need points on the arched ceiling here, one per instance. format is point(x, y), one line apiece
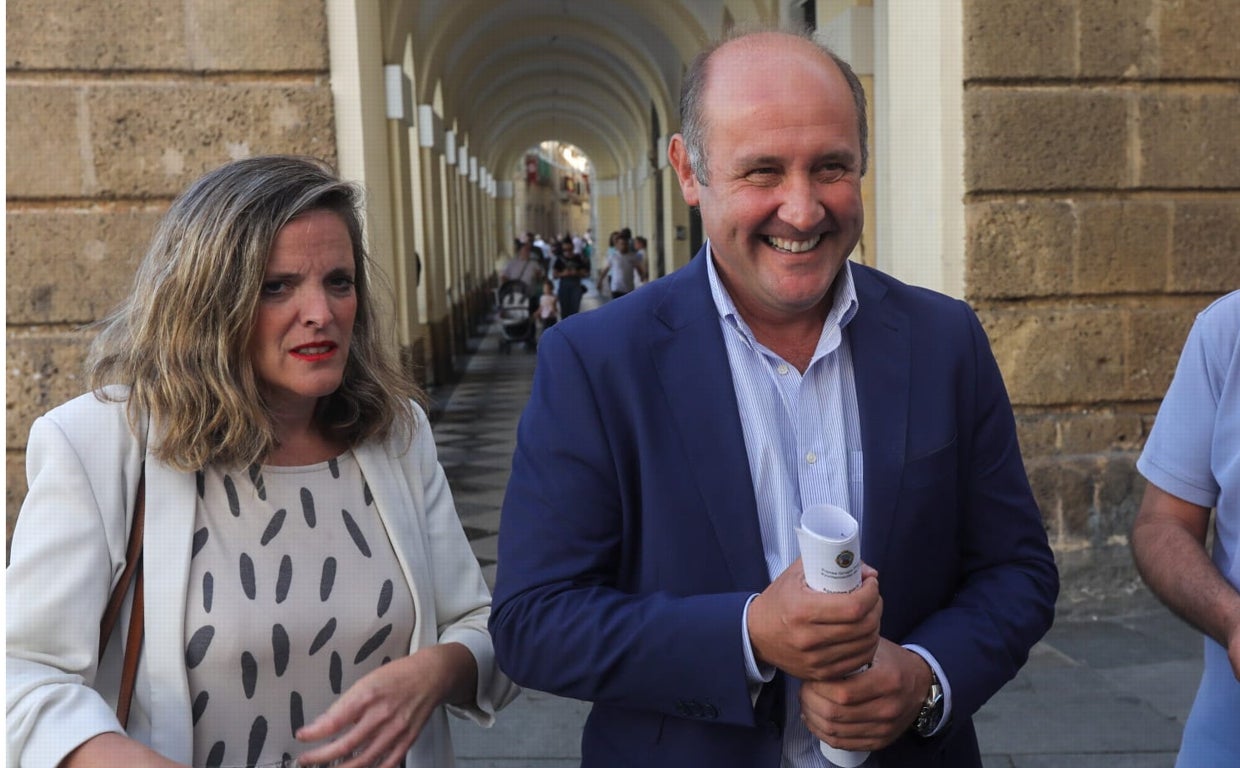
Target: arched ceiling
point(513, 73)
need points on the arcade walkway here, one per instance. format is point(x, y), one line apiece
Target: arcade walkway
point(1109, 687)
point(475, 424)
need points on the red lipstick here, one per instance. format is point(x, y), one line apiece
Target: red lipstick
point(312, 353)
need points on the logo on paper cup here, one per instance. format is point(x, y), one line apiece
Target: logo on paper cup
point(845, 559)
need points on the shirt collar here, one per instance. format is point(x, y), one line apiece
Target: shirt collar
point(843, 307)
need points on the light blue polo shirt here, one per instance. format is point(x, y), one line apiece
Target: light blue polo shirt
point(1194, 453)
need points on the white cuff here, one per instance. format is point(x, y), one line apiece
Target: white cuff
point(943, 681)
point(757, 674)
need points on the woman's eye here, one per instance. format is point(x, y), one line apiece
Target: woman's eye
point(273, 287)
point(342, 284)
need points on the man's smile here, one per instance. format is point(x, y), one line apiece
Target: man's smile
point(793, 246)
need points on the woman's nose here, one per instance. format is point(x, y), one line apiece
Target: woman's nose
point(315, 308)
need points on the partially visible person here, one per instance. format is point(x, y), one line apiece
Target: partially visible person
point(544, 250)
point(548, 307)
point(647, 556)
point(309, 591)
point(570, 269)
point(622, 263)
point(524, 266)
point(640, 246)
point(587, 248)
point(1192, 463)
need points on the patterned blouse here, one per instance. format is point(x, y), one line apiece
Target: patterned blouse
point(295, 594)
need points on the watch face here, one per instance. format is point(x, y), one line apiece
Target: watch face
point(931, 712)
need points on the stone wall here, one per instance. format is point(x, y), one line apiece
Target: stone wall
point(113, 107)
point(1102, 178)
point(1103, 211)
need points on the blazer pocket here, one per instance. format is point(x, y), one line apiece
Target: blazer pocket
point(933, 468)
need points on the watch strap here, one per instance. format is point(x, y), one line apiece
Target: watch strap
point(931, 713)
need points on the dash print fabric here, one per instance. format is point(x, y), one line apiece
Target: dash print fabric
point(295, 594)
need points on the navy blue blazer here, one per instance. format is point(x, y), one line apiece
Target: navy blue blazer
point(629, 540)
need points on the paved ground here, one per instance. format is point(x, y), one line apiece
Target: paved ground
point(1109, 687)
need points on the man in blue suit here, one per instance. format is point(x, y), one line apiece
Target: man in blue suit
point(647, 561)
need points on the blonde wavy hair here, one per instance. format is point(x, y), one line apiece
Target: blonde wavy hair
point(179, 343)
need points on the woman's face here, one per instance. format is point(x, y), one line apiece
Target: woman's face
point(306, 307)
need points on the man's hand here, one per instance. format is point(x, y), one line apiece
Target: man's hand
point(815, 635)
point(869, 710)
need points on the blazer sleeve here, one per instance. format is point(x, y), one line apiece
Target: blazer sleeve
point(68, 545)
point(1004, 581)
point(461, 598)
point(585, 603)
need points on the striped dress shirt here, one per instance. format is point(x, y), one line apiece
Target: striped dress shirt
point(803, 438)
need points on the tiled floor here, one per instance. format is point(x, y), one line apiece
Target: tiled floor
point(475, 425)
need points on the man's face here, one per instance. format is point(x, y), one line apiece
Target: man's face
point(783, 206)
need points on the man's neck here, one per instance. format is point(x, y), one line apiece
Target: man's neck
point(793, 337)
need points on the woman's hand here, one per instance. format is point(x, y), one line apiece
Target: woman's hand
point(116, 749)
point(376, 721)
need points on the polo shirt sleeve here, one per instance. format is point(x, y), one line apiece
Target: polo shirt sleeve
point(1177, 456)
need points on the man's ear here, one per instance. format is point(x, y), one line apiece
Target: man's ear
point(678, 156)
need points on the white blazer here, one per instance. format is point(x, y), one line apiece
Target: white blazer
point(68, 550)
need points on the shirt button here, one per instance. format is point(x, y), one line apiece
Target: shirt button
point(783, 369)
point(811, 457)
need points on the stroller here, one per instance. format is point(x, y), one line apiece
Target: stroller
point(516, 320)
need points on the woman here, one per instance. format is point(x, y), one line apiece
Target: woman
point(309, 590)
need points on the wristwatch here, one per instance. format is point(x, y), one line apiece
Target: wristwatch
point(931, 709)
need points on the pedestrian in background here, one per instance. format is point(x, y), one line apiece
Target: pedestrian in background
point(548, 307)
point(622, 264)
point(570, 269)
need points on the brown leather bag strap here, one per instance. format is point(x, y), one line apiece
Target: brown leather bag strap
point(133, 550)
point(132, 572)
point(133, 649)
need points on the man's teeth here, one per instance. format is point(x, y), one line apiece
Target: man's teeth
point(794, 246)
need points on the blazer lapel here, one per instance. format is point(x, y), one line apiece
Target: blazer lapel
point(882, 356)
point(692, 365)
point(395, 502)
point(171, 497)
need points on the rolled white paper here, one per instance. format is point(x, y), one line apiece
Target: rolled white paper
point(830, 549)
point(831, 554)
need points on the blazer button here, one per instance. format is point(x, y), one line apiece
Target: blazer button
point(710, 712)
point(681, 709)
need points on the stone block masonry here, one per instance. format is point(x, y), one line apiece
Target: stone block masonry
point(1102, 212)
point(113, 108)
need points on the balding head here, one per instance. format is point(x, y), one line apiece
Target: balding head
point(694, 122)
